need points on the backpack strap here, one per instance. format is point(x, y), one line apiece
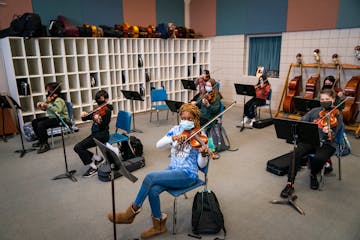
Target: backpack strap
point(227, 140)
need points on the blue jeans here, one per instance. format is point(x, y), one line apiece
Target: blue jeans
point(156, 182)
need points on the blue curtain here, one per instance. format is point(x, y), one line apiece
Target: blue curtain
point(264, 51)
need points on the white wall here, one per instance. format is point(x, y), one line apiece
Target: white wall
point(229, 58)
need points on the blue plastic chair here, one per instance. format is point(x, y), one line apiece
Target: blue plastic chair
point(201, 182)
point(267, 104)
point(158, 97)
point(123, 123)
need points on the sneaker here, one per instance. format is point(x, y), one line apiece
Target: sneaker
point(98, 163)
point(252, 122)
point(314, 183)
point(328, 168)
point(287, 191)
point(37, 144)
point(43, 148)
point(244, 121)
point(90, 172)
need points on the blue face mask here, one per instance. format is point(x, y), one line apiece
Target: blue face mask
point(208, 89)
point(187, 125)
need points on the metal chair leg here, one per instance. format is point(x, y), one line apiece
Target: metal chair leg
point(174, 216)
point(157, 117)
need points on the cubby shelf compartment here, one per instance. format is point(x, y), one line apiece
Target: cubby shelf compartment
point(86, 65)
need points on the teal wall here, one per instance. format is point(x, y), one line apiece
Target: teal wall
point(250, 17)
point(79, 12)
point(349, 14)
point(170, 11)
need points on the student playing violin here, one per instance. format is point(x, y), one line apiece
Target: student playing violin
point(262, 89)
point(53, 105)
point(181, 173)
point(327, 145)
point(100, 130)
point(209, 102)
point(200, 84)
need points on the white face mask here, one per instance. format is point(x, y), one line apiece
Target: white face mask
point(208, 89)
point(187, 125)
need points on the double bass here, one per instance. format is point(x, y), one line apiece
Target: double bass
point(312, 82)
point(293, 89)
point(351, 91)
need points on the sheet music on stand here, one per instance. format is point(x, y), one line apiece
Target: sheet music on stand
point(174, 106)
point(303, 105)
point(189, 85)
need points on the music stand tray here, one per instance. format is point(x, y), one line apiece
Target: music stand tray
point(174, 106)
point(295, 131)
point(245, 90)
point(188, 84)
point(133, 95)
point(304, 105)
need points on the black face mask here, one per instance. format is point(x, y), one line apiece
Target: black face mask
point(327, 87)
point(326, 105)
point(100, 102)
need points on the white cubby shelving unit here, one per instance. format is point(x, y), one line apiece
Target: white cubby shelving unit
point(86, 65)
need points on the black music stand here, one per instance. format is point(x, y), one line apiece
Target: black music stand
point(174, 107)
point(10, 102)
point(67, 174)
point(295, 132)
point(303, 105)
point(133, 95)
point(189, 85)
point(116, 163)
point(245, 90)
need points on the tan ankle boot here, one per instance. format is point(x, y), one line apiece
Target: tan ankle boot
point(124, 217)
point(159, 227)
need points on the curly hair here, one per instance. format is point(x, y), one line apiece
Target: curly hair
point(193, 110)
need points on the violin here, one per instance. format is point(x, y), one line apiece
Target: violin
point(98, 112)
point(52, 96)
point(201, 138)
point(197, 141)
point(328, 118)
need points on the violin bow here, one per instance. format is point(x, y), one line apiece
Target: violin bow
point(209, 122)
point(53, 91)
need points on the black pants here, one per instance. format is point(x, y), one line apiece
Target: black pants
point(82, 147)
point(322, 154)
point(40, 126)
point(250, 106)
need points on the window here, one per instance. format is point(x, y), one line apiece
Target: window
point(264, 51)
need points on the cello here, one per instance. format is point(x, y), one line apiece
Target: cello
point(294, 89)
point(312, 82)
point(351, 91)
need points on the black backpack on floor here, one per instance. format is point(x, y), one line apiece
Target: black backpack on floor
point(136, 145)
point(219, 136)
point(207, 217)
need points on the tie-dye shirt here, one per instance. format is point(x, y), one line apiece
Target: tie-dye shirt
point(185, 158)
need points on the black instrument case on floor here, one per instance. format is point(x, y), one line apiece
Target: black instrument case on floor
point(263, 123)
point(279, 165)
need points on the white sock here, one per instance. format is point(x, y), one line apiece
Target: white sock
point(96, 157)
point(93, 165)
